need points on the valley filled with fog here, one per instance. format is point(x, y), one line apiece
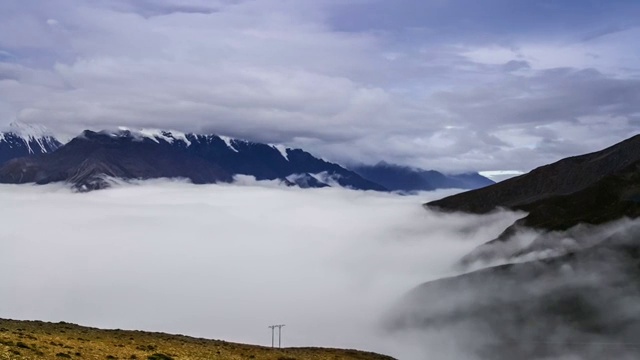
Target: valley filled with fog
point(225, 261)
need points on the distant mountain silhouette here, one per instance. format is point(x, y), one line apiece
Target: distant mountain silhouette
point(404, 178)
point(87, 160)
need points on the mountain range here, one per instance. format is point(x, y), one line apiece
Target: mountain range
point(409, 179)
point(90, 159)
point(569, 284)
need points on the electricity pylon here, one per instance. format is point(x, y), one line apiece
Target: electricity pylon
point(273, 327)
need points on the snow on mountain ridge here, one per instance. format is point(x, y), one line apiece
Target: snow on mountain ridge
point(29, 131)
point(229, 141)
point(34, 135)
point(171, 136)
point(282, 149)
point(156, 135)
point(30, 135)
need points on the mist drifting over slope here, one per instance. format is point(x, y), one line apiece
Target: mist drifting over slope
point(225, 261)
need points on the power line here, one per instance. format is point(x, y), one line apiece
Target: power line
point(273, 328)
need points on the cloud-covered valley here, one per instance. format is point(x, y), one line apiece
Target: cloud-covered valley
point(225, 261)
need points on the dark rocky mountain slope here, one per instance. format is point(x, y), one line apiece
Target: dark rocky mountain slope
point(564, 177)
point(87, 160)
point(593, 188)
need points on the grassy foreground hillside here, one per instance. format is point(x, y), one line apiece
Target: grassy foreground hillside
point(60, 341)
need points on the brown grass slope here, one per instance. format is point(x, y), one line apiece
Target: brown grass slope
point(41, 340)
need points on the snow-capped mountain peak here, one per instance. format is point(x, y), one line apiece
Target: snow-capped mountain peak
point(188, 139)
point(22, 139)
point(152, 153)
point(156, 135)
point(29, 131)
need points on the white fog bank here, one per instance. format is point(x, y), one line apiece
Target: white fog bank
point(226, 261)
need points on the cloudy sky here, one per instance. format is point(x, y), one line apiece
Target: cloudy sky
point(445, 84)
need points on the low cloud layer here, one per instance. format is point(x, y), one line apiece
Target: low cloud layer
point(582, 305)
point(448, 85)
point(225, 261)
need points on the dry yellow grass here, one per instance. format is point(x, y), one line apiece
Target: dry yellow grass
point(61, 341)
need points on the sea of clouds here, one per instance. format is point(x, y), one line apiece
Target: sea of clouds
point(226, 261)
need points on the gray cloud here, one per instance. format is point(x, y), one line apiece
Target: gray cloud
point(581, 305)
point(285, 72)
point(488, 20)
